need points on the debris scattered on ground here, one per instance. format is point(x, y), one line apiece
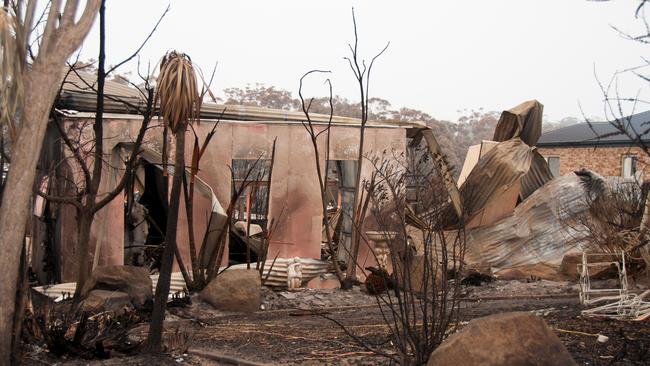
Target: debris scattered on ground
point(514, 288)
point(476, 278)
point(316, 298)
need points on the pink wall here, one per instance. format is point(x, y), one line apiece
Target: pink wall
point(294, 189)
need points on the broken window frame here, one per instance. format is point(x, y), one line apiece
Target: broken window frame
point(256, 190)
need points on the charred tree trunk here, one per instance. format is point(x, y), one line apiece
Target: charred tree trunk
point(84, 222)
point(21, 301)
point(154, 340)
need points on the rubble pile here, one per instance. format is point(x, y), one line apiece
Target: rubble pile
point(311, 298)
point(514, 288)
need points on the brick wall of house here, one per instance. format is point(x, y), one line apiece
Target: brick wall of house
point(604, 160)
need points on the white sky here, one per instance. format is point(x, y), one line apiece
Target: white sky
point(444, 56)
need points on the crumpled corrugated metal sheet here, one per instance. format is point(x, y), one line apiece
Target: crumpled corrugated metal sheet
point(61, 290)
point(311, 268)
point(443, 167)
point(534, 233)
point(513, 161)
point(496, 172)
point(523, 121)
point(538, 175)
point(218, 215)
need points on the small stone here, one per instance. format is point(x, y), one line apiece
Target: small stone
point(602, 339)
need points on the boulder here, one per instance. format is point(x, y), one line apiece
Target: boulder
point(569, 265)
point(134, 281)
point(503, 339)
point(103, 300)
point(235, 290)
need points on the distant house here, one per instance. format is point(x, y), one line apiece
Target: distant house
point(599, 147)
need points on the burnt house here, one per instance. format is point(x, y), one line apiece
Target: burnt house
point(243, 135)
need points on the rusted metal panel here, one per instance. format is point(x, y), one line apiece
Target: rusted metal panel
point(496, 173)
point(523, 121)
point(514, 164)
point(538, 175)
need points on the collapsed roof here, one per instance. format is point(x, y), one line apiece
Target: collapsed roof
point(515, 208)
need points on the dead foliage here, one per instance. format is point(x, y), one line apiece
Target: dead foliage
point(179, 341)
point(419, 300)
point(177, 90)
point(71, 333)
point(612, 218)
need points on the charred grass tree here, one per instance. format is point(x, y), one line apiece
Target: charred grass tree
point(179, 104)
point(421, 306)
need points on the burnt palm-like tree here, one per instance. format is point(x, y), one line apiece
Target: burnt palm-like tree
point(179, 104)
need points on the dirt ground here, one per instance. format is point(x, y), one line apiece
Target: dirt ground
point(294, 329)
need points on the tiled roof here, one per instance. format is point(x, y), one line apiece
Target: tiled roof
point(599, 133)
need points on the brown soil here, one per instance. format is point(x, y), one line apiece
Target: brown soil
point(296, 330)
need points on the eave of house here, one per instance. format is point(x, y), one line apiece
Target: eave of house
point(355, 123)
point(569, 144)
point(78, 100)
